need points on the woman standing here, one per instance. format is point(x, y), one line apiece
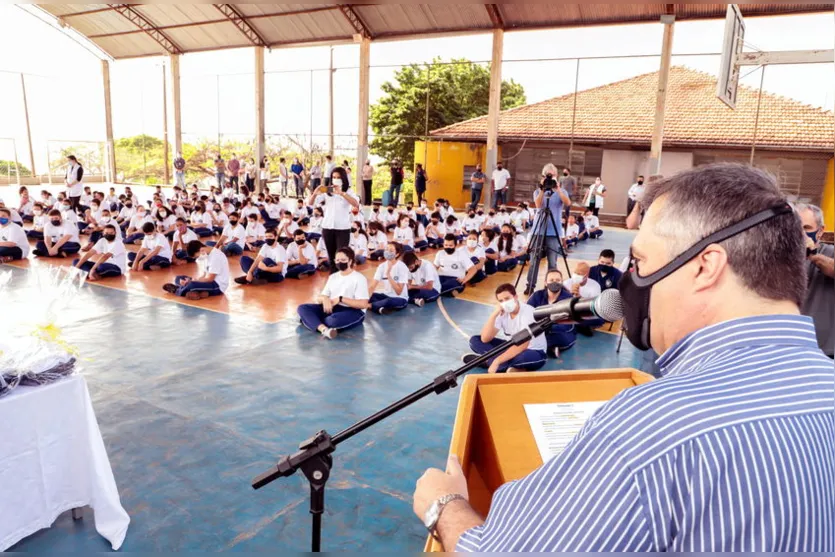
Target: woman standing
point(594, 197)
point(367, 181)
point(73, 182)
point(315, 175)
point(420, 182)
point(250, 174)
point(336, 226)
point(265, 169)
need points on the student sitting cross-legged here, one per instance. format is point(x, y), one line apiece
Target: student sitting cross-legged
point(182, 237)
point(155, 252)
point(509, 318)
point(561, 337)
point(343, 301)
point(454, 268)
point(475, 252)
point(232, 238)
point(39, 219)
point(215, 278)
point(392, 278)
point(377, 241)
point(60, 237)
point(268, 266)
point(424, 283)
point(301, 256)
point(13, 241)
point(255, 232)
point(107, 257)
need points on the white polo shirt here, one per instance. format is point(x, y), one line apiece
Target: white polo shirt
point(116, 249)
point(184, 239)
point(400, 274)
point(405, 236)
point(309, 252)
point(338, 212)
point(509, 326)
point(238, 232)
point(500, 178)
point(425, 274)
point(377, 241)
point(353, 286)
point(359, 243)
point(158, 240)
point(14, 233)
point(218, 265)
point(58, 232)
point(452, 265)
point(588, 290)
point(275, 252)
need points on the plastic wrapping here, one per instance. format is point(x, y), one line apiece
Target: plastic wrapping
point(32, 351)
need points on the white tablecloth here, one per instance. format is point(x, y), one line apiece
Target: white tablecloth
point(52, 459)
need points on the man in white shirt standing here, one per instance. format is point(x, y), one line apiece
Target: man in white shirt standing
point(73, 182)
point(60, 237)
point(392, 278)
point(635, 193)
point(155, 252)
point(107, 258)
point(500, 184)
point(510, 317)
point(213, 282)
point(13, 241)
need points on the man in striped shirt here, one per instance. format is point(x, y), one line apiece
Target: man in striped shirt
point(733, 449)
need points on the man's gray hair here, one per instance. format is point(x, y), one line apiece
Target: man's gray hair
point(800, 207)
point(769, 258)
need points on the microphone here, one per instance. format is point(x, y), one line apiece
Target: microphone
point(608, 306)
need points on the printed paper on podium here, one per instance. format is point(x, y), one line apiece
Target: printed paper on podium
point(554, 425)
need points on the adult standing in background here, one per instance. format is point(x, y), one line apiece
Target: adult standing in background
point(329, 166)
point(367, 181)
point(420, 182)
point(249, 177)
point(594, 196)
point(179, 170)
point(567, 183)
point(819, 303)
point(336, 226)
point(220, 171)
point(316, 175)
point(635, 193)
point(476, 186)
point(296, 169)
point(265, 169)
point(234, 167)
point(283, 176)
point(500, 180)
point(396, 169)
point(347, 168)
point(73, 181)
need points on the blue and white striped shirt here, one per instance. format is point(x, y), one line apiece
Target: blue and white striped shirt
point(733, 449)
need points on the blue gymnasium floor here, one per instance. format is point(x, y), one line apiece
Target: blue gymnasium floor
point(193, 404)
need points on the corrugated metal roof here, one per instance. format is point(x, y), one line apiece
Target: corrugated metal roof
point(200, 27)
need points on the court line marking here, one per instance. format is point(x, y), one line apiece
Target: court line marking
point(449, 319)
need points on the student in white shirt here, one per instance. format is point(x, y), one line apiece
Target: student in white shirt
point(503, 216)
point(572, 232)
point(421, 242)
point(182, 237)
point(359, 243)
point(26, 204)
point(166, 222)
point(490, 222)
point(424, 283)
point(357, 216)
point(220, 220)
point(47, 199)
point(107, 258)
point(592, 225)
point(269, 266)
point(581, 285)
point(96, 229)
point(13, 241)
point(404, 234)
point(201, 221)
point(301, 257)
point(126, 213)
point(376, 215)
point(155, 252)
point(490, 244)
point(510, 317)
point(112, 200)
point(60, 237)
point(39, 218)
point(322, 257)
point(422, 213)
point(377, 241)
point(134, 232)
point(255, 232)
point(390, 218)
point(213, 282)
point(475, 252)
point(343, 301)
point(454, 268)
point(248, 209)
point(507, 258)
point(454, 227)
point(435, 231)
point(391, 279)
point(314, 227)
point(286, 228)
point(232, 238)
point(472, 222)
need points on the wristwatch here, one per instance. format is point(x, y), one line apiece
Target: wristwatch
point(433, 514)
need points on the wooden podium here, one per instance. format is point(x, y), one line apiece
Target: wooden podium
point(492, 436)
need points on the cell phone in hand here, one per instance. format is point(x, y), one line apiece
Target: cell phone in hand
point(330, 190)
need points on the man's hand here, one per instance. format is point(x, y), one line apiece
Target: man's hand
point(494, 367)
point(575, 289)
point(327, 306)
point(435, 483)
point(460, 280)
point(53, 251)
point(810, 243)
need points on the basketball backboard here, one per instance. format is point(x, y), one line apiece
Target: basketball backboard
point(728, 81)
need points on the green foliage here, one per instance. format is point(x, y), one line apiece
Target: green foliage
point(457, 91)
point(7, 168)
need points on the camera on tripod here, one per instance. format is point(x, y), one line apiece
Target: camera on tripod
point(548, 183)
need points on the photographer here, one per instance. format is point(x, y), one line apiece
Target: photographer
point(820, 293)
point(550, 194)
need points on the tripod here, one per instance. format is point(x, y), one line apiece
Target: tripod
point(314, 455)
point(538, 247)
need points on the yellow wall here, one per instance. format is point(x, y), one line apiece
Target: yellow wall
point(445, 162)
point(828, 203)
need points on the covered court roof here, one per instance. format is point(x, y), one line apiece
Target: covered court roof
point(138, 30)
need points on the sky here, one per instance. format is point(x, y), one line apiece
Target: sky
point(65, 95)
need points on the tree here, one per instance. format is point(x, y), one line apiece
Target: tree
point(8, 168)
point(457, 91)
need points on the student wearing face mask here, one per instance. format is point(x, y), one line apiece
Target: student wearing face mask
point(338, 200)
point(357, 216)
point(301, 257)
point(424, 283)
point(592, 225)
point(435, 231)
point(126, 214)
point(509, 318)
point(91, 217)
point(507, 260)
point(455, 269)
point(314, 227)
point(134, 232)
point(182, 238)
point(391, 278)
point(269, 266)
point(421, 242)
point(490, 243)
point(107, 258)
point(377, 241)
point(472, 222)
point(604, 273)
point(580, 285)
point(201, 221)
point(13, 241)
point(634, 194)
point(60, 237)
point(422, 213)
point(67, 212)
point(560, 337)
point(503, 216)
point(454, 228)
point(490, 222)
point(232, 237)
point(96, 230)
point(213, 282)
point(343, 301)
point(475, 252)
point(359, 243)
point(390, 218)
point(300, 214)
point(39, 220)
point(155, 252)
point(376, 215)
point(166, 222)
point(404, 234)
point(255, 233)
point(220, 220)
point(286, 228)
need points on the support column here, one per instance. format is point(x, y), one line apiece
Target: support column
point(108, 121)
point(174, 68)
point(362, 120)
point(661, 95)
point(28, 129)
point(494, 107)
point(166, 168)
point(260, 134)
point(330, 106)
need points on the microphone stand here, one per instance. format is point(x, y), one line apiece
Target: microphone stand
point(314, 457)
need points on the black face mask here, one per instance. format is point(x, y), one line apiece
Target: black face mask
point(376, 209)
point(635, 289)
point(300, 242)
point(640, 182)
point(554, 286)
point(270, 241)
point(472, 215)
point(109, 237)
point(233, 222)
point(480, 213)
point(128, 205)
point(353, 231)
point(449, 250)
point(55, 222)
point(492, 214)
point(605, 268)
point(565, 173)
point(391, 210)
point(342, 265)
point(414, 269)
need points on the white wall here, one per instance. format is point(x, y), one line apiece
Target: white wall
point(618, 173)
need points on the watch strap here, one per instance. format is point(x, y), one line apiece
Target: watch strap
point(442, 503)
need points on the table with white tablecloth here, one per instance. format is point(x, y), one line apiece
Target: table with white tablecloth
point(52, 460)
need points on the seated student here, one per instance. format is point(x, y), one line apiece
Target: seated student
point(301, 257)
point(177, 211)
point(507, 260)
point(491, 250)
point(359, 243)
point(582, 286)
point(272, 211)
point(126, 214)
point(424, 282)
point(220, 220)
point(343, 301)
point(67, 212)
point(592, 225)
point(410, 210)
point(107, 258)
point(572, 232)
point(134, 232)
point(201, 221)
point(48, 200)
point(392, 279)
point(155, 252)
point(421, 242)
point(376, 215)
point(96, 228)
point(314, 227)
point(582, 235)
point(60, 237)
point(503, 216)
point(39, 219)
point(519, 218)
point(166, 222)
point(14, 215)
point(520, 246)
point(436, 231)
point(91, 217)
point(227, 206)
point(404, 234)
point(471, 223)
point(490, 222)
point(248, 208)
point(13, 241)
point(422, 213)
point(377, 240)
point(454, 268)
point(131, 196)
point(322, 257)
point(509, 318)
point(26, 204)
point(182, 238)
point(112, 200)
point(453, 227)
point(605, 273)
point(286, 228)
point(213, 282)
point(475, 252)
point(232, 238)
point(268, 266)
point(255, 232)
point(390, 218)
point(86, 199)
point(560, 337)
